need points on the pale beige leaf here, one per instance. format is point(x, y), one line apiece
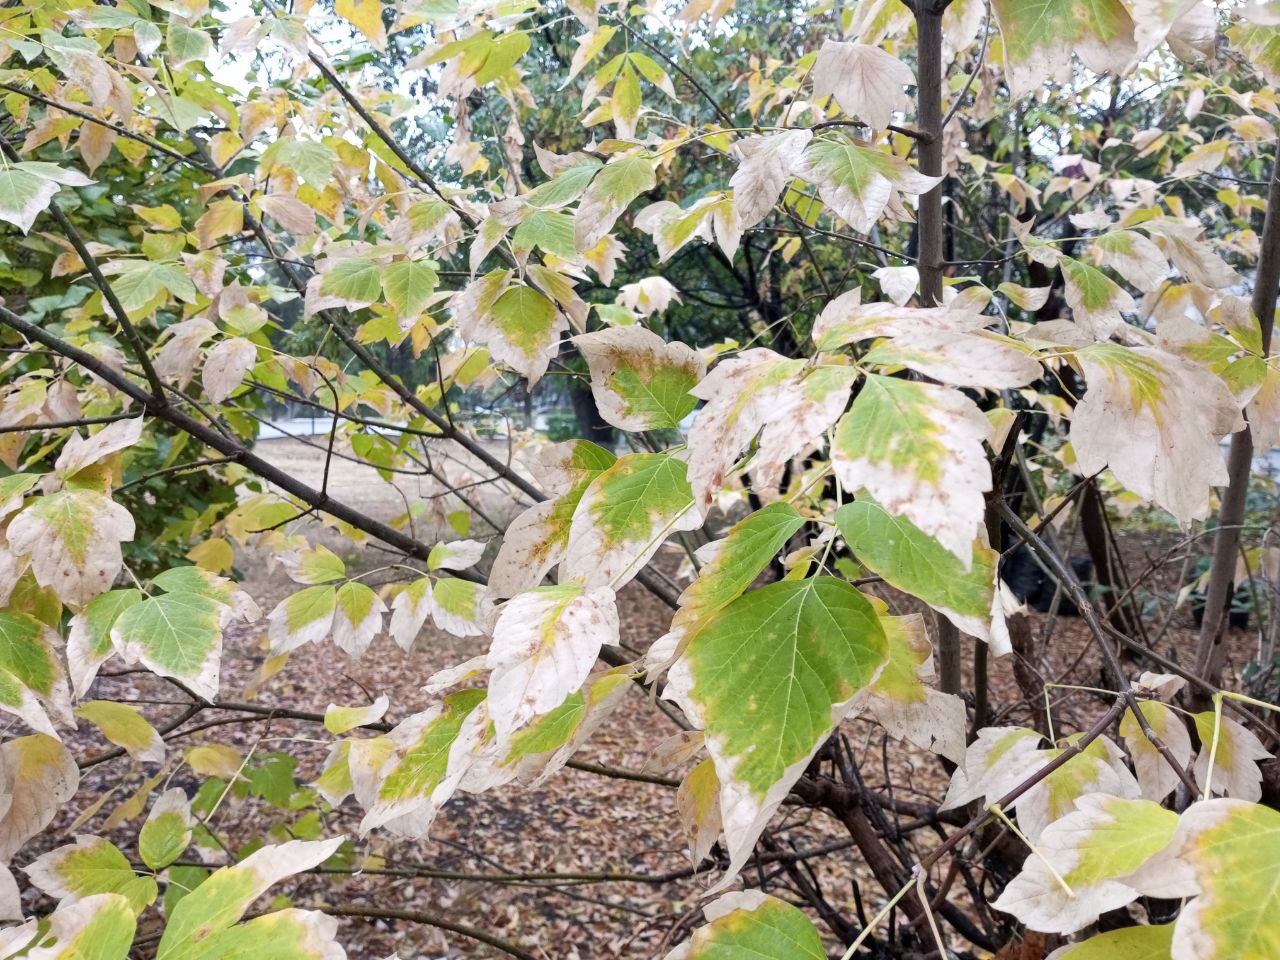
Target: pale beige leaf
point(902, 699)
point(918, 449)
point(768, 164)
point(357, 617)
point(960, 359)
point(81, 451)
point(532, 544)
point(648, 295)
point(73, 538)
point(290, 212)
point(544, 643)
point(37, 775)
point(898, 283)
point(1235, 770)
point(225, 367)
point(1100, 768)
point(410, 608)
point(866, 81)
point(1156, 420)
point(180, 354)
point(455, 555)
point(1091, 849)
point(996, 761)
point(761, 392)
point(1155, 776)
point(1135, 257)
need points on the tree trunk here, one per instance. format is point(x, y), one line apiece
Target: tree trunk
point(1093, 525)
point(931, 236)
point(1211, 651)
point(591, 425)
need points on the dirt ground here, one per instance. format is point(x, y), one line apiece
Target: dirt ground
point(579, 823)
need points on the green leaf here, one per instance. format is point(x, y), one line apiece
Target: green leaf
point(182, 880)
point(527, 327)
point(284, 935)
point(12, 489)
point(625, 515)
point(502, 56)
point(302, 618)
point(175, 635)
point(752, 924)
point(341, 719)
point(89, 635)
point(918, 450)
point(1091, 850)
point(181, 113)
point(565, 188)
point(311, 160)
point(546, 744)
point(90, 865)
point(408, 285)
point(1224, 854)
point(315, 565)
point(767, 678)
point(456, 606)
point(611, 191)
point(167, 832)
point(357, 617)
point(185, 44)
point(145, 285)
point(99, 927)
point(1131, 943)
point(547, 230)
point(915, 562)
point(211, 908)
point(639, 381)
point(421, 764)
point(739, 558)
point(31, 676)
point(356, 280)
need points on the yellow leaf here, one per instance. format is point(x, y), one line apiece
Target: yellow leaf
point(222, 219)
point(365, 16)
point(214, 760)
point(214, 555)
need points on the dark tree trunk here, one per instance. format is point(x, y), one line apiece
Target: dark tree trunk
point(591, 425)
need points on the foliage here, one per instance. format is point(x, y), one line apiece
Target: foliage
point(870, 293)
